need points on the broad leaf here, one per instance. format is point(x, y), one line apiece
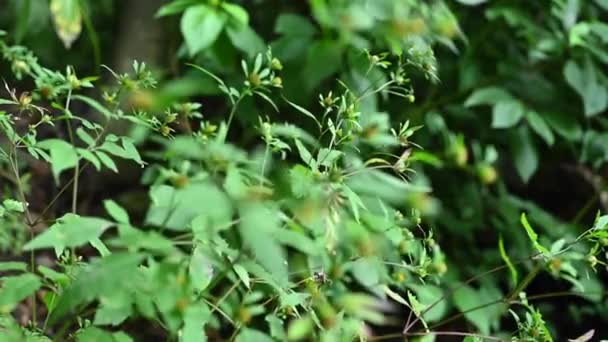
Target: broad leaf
point(201, 25)
point(507, 113)
point(63, 155)
point(69, 231)
point(15, 289)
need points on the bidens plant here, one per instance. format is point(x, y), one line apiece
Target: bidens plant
point(306, 235)
point(231, 244)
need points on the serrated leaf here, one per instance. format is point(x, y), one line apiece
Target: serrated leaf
point(15, 289)
point(69, 231)
point(259, 223)
point(102, 277)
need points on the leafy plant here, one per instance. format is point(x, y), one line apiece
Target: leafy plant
point(353, 170)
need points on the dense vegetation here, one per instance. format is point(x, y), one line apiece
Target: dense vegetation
point(332, 170)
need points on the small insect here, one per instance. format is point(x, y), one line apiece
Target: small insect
point(320, 277)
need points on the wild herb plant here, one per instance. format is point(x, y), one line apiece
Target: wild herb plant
point(304, 210)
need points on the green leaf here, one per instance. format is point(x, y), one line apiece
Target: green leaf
point(200, 26)
point(63, 155)
point(427, 295)
point(114, 310)
point(585, 81)
point(507, 113)
point(564, 124)
point(107, 277)
point(314, 72)
point(195, 318)
point(94, 104)
point(13, 266)
point(507, 260)
point(67, 18)
point(294, 25)
point(366, 271)
point(176, 208)
point(539, 125)
point(248, 335)
point(242, 273)
point(106, 160)
point(305, 155)
point(15, 289)
point(487, 96)
point(276, 327)
point(246, 40)
point(100, 247)
point(259, 223)
point(297, 240)
point(466, 298)
point(174, 7)
point(524, 153)
point(237, 13)
point(13, 205)
point(85, 137)
point(327, 157)
point(301, 180)
point(94, 334)
point(119, 214)
point(303, 111)
point(533, 236)
point(135, 239)
point(69, 231)
point(300, 328)
point(89, 156)
point(200, 269)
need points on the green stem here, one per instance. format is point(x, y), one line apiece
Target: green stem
point(233, 112)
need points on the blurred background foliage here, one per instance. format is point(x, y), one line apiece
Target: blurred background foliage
point(511, 94)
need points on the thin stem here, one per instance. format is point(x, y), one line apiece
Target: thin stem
point(409, 325)
point(72, 141)
point(233, 111)
point(214, 307)
point(14, 161)
point(266, 152)
point(455, 333)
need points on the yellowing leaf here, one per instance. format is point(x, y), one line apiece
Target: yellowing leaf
point(67, 18)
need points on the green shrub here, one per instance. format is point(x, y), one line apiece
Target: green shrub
point(334, 149)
